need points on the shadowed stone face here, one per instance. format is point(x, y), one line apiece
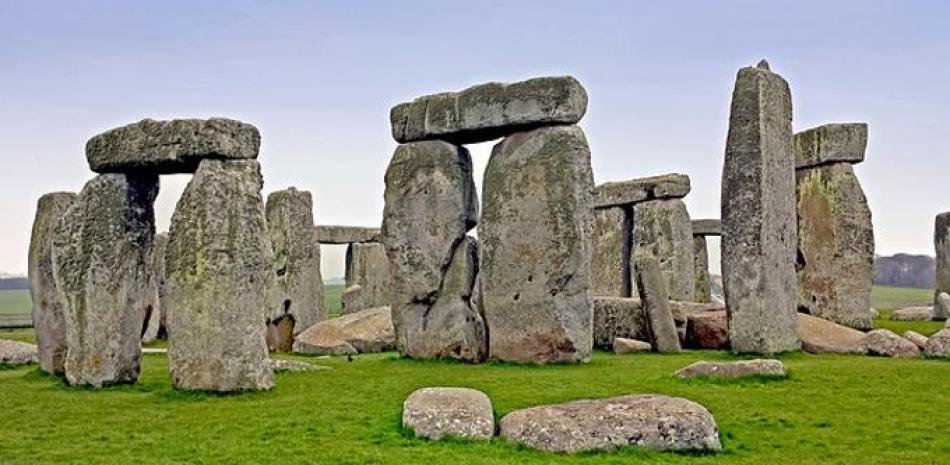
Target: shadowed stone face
point(942, 247)
point(656, 302)
point(610, 252)
point(702, 288)
point(662, 228)
point(325, 234)
point(155, 316)
point(666, 186)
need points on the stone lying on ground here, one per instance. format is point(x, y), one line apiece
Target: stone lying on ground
point(822, 336)
point(942, 306)
point(369, 330)
point(662, 228)
point(628, 346)
point(610, 252)
point(915, 313)
point(707, 330)
point(17, 353)
point(325, 234)
point(368, 268)
point(293, 366)
point(656, 302)
point(174, 146)
point(918, 339)
point(625, 317)
point(438, 412)
point(742, 368)
point(938, 345)
point(49, 319)
point(885, 343)
point(829, 143)
point(706, 227)
point(102, 249)
point(650, 421)
point(489, 111)
point(621, 193)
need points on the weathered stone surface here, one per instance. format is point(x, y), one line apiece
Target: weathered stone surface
point(662, 228)
point(175, 146)
point(706, 227)
point(942, 248)
point(293, 366)
point(651, 421)
point(742, 368)
point(610, 252)
point(702, 282)
point(368, 268)
point(914, 313)
point(352, 297)
point(938, 345)
point(219, 273)
point(623, 345)
point(625, 317)
point(438, 412)
point(656, 303)
point(155, 315)
point(101, 252)
point(621, 193)
point(819, 335)
point(885, 343)
point(831, 143)
point(918, 339)
point(535, 236)
point(835, 246)
point(297, 295)
point(369, 330)
point(324, 234)
point(707, 330)
point(758, 215)
point(489, 111)
point(942, 306)
point(49, 319)
point(17, 353)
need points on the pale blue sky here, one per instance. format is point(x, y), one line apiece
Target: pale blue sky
point(318, 79)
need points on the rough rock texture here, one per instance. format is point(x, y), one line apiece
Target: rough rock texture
point(662, 228)
point(610, 252)
point(706, 227)
point(707, 330)
point(918, 339)
point(621, 193)
point(293, 366)
point(535, 234)
point(757, 367)
point(345, 234)
point(623, 345)
point(702, 282)
point(438, 412)
point(830, 143)
point(17, 353)
point(175, 146)
point(430, 205)
point(297, 295)
point(758, 215)
point(625, 317)
point(885, 343)
point(941, 310)
point(101, 252)
point(835, 246)
point(914, 313)
point(942, 248)
point(351, 298)
point(489, 111)
point(939, 344)
point(651, 421)
point(656, 302)
point(369, 330)
point(368, 268)
point(819, 336)
point(49, 319)
point(155, 315)
point(219, 272)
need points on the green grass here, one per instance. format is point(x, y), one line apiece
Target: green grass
point(331, 297)
point(887, 298)
point(15, 302)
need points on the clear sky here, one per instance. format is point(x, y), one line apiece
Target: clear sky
point(318, 79)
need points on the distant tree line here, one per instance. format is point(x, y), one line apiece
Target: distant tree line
point(904, 270)
point(14, 283)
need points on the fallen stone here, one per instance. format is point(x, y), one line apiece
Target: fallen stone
point(656, 303)
point(740, 369)
point(820, 336)
point(175, 146)
point(706, 227)
point(610, 252)
point(17, 353)
point(438, 412)
point(831, 143)
point(939, 344)
point(662, 229)
point(366, 331)
point(707, 330)
point(918, 339)
point(293, 366)
point(489, 111)
point(649, 421)
point(368, 268)
point(629, 346)
point(702, 282)
point(623, 193)
point(885, 343)
point(345, 234)
point(915, 313)
point(625, 317)
point(535, 231)
point(942, 306)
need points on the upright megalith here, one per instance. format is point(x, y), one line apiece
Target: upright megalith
point(101, 252)
point(611, 241)
point(430, 204)
point(49, 319)
point(155, 320)
point(758, 215)
point(942, 248)
point(702, 282)
point(220, 269)
point(662, 228)
point(535, 236)
point(835, 260)
point(296, 299)
point(368, 268)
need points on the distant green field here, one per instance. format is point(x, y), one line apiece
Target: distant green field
point(887, 298)
point(15, 302)
point(331, 296)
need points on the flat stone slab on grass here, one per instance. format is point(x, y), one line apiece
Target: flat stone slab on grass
point(757, 367)
point(369, 330)
point(327, 234)
point(939, 344)
point(294, 366)
point(17, 353)
point(820, 336)
point(621, 193)
point(885, 343)
point(623, 345)
point(920, 313)
point(437, 412)
point(652, 421)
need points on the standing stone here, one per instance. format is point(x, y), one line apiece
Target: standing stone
point(758, 215)
point(702, 282)
point(296, 300)
point(656, 302)
point(835, 246)
point(101, 251)
point(158, 278)
point(535, 234)
point(662, 228)
point(368, 268)
point(219, 272)
point(430, 205)
point(49, 320)
point(942, 246)
point(941, 308)
point(610, 252)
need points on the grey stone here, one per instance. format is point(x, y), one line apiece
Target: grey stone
point(49, 319)
point(369, 330)
point(885, 343)
point(438, 412)
point(830, 143)
point(621, 193)
point(758, 216)
point(154, 315)
point(17, 353)
point(219, 271)
point(942, 248)
point(623, 345)
point(101, 252)
point(489, 111)
point(820, 336)
point(742, 368)
point(707, 330)
point(626, 317)
point(656, 303)
point(293, 366)
point(918, 339)
point(351, 299)
point(649, 421)
point(702, 282)
point(535, 236)
point(175, 146)
point(662, 228)
point(707, 227)
point(368, 268)
point(938, 345)
point(914, 313)
point(325, 234)
point(942, 306)
point(610, 252)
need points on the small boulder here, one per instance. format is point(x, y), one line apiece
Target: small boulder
point(742, 368)
point(292, 365)
point(939, 344)
point(917, 313)
point(707, 330)
point(942, 306)
point(918, 339)
point(437, 412)
point(17, 353)
point(885, 343)
point(820, 336)
point(369, 330)
point(623, 345)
